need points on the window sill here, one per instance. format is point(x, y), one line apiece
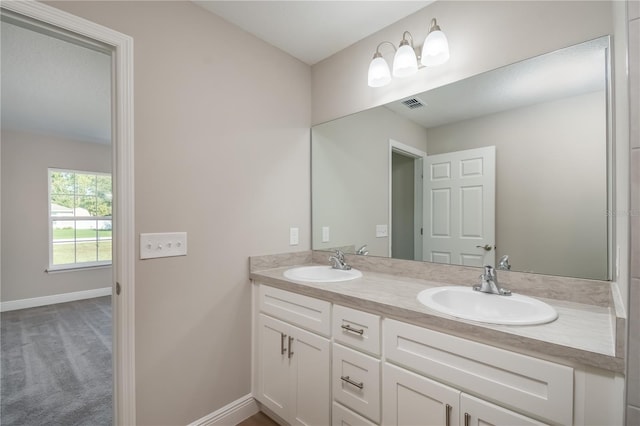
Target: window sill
point(55, 270)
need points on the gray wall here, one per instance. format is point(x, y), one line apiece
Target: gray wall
point(633, 373)
point(26, 158)
point(222, 152)
point(544, 221)
point(351, 176)
point(403, 206)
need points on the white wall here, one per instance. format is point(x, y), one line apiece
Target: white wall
point(350, 176)
point(545, 220)
point(222, 152)
point(26, 158)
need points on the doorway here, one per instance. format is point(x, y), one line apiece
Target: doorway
point(46, 19)
point(405, 201)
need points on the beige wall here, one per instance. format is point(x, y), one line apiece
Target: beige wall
point(483, 35)
point(544, 221)
point(222, 152)
point(26, 158)
point(350, 176)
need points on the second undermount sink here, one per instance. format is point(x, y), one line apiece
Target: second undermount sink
point(465, 303)
point(321, 274)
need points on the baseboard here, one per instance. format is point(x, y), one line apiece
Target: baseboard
point(13, 305)
point(231, 414)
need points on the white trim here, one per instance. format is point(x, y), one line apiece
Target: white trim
point(123, 183)
point(231, 414)
point(13, 305)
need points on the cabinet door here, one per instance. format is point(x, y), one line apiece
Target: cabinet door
point(476, 412)
point(274, 365)
point(410, 399)
point(310, 379)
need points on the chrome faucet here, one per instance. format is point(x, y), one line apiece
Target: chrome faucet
point(504, 263)
point(490, 284)
point(337, 261)
point(363, 250)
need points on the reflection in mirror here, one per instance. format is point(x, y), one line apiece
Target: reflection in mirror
point(512, 162)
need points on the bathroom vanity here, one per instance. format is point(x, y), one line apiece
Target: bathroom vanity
point(366, 352)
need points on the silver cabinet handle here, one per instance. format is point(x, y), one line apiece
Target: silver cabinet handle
point(290, 346)
point(447, 415)
point(282, 348)
point(467, 419)
point(351, 382)
point(347, 327)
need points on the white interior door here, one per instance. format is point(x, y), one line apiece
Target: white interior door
point(459, 200)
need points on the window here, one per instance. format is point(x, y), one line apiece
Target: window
point(79, 219)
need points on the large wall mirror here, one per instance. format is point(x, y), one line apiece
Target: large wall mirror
point(513, 162)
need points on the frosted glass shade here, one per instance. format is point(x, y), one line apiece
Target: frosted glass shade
point(405, 62)
point(435, 50)
point(379, 74)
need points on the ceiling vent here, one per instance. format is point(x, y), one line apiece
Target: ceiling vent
point(413, 103)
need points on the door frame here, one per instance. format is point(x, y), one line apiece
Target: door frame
point(419, 156)
point(123, 348)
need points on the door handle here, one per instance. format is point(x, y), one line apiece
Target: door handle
point(447, 415)
point(486, 247)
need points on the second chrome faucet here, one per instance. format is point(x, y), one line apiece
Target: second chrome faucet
point(489, 283)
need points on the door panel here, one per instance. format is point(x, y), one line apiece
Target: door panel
point(483, 413)
point(411, 399)
point(274, 368)
point(460, 207)
point(310, 378)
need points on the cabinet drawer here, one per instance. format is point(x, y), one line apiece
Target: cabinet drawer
point(528, 385)
point(355, 328)
point(356, 381)
point(341, 416)
point(306, 312)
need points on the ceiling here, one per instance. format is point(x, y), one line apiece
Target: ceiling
point(564, 73)
point(61, 88)
point(54, 86)
point(312, 30)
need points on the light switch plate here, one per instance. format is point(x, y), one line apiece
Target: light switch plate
point(294, 236)
point(382, 231)
point(163, 244)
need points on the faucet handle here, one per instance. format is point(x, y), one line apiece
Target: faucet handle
point(340, 255)
point(489, 272)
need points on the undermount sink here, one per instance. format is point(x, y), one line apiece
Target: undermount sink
point(466, 303)
point(321, 274)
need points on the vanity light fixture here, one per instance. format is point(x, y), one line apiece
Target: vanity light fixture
point(435, 51)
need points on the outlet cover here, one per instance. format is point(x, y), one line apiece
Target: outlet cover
point(325, 234)
point(382, 231)
point(164, 244)
point(294, 236)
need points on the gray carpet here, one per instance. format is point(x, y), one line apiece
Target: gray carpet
point(56, 365)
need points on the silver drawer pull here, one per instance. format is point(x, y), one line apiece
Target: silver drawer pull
point(351, 382)
point(282, 348)
point(290, 347)
point(347, 327)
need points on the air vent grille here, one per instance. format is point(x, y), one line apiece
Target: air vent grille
point(413, 103)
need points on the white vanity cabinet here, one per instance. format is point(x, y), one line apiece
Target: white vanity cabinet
point(293, 371)
point(522, 383)
point(411, 399)
point(318, 363)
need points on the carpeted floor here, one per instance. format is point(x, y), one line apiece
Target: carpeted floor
point(56, 365)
